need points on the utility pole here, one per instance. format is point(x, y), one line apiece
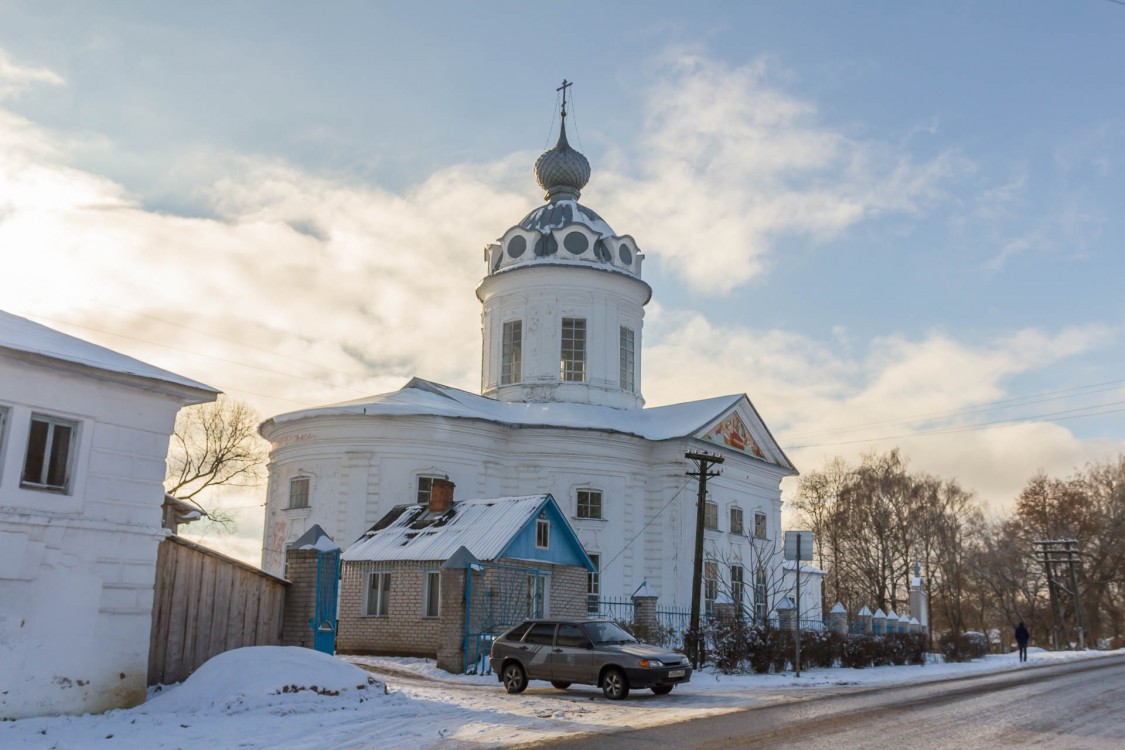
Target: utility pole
point(703, 462)
point(1052, 552)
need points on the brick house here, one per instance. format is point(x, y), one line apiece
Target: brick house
point(438, 580)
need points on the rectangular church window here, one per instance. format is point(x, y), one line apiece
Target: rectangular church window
point(589, 504)
point(711, 516)
point(628, 360)
point(511, 367)
point(572, 364)
point(299, 492)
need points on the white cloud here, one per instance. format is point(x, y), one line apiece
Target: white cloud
point(726, 164)
point(304, 290)
point(915, 394)
point(15, 79)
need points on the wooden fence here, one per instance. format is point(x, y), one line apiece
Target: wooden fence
point(206, 603)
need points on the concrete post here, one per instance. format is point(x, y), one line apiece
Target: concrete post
point(838, 619)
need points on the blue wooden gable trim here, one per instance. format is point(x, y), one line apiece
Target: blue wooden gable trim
point(565, 549)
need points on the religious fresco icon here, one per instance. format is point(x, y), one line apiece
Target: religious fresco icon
point(732, 433)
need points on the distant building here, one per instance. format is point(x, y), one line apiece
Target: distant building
point(83, 440)
point(560, 411)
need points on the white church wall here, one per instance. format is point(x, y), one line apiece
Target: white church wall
point(606, 300)
point(637, 478)
point(77, 572)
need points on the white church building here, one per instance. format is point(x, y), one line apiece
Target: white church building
point(560, 411)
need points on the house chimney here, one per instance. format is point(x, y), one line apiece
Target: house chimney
point(441, 495)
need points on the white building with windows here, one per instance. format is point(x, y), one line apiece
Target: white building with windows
point(560, 411)
point(83, 441)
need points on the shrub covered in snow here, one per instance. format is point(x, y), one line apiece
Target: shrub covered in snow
point(957, 647)
point(735, 646)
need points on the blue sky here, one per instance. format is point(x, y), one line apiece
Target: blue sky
point(857, 213)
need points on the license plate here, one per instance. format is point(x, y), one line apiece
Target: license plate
point(677, 673)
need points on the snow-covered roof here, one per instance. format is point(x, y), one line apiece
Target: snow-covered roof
point(410, 532)
point(315, 538)
point(805, 568)
point(423, 397)
point(864, 612)
point(838, 609)
point(22, 335)
point(880, 614)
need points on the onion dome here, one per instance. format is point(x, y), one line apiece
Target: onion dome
point(562, 171)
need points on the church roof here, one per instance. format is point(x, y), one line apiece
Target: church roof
point(425, 398)
point(24, 336)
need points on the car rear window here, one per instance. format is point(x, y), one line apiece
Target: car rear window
point(572, 635)
point(516, 633)
point(542, 633)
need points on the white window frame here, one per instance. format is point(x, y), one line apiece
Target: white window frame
point(542, 532)
point(761, 527)
point(3, 436)
point(736, 512)
point(594, 584)
point(710, 585)
point(422, 496)
point(307, 492)
point(627, 374)
point(572, 350)
point(538, 592)
point(711, 516)
point(737, 585)
point(431, 593)
point(52, 423)
point(760, 603)
point(382, 592)
point(511, 352)
point(590, 494)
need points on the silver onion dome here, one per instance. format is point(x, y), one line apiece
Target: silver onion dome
point(562, 171)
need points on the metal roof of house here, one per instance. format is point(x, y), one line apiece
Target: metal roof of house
point(22, 335)
point(411, 532)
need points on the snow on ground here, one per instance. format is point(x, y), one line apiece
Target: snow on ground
point(290, 698)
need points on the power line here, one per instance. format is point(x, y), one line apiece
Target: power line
point(230, 341)
point(989, 406)
point(1055, 416)
point(199, 354)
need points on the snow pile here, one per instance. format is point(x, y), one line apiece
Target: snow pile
point(273, 679)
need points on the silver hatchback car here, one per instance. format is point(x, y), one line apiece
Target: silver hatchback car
point(588, 652)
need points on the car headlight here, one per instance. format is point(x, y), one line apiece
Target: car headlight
point(649, 663)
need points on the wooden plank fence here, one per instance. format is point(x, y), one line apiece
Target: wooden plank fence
point(205, 603)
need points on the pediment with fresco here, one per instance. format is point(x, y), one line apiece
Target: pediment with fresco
point(732, 432)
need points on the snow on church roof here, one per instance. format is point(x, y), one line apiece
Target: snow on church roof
point(423, 397)
point(22, 335)
point(484, 527)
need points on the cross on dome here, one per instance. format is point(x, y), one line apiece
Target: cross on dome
point(562, 171)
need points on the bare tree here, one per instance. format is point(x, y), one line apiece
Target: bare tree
point(215, 445)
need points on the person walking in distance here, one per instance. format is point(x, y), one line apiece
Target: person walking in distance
point(1022, 637)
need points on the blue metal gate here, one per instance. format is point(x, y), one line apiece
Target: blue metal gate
point(327, 586)
point(498, 597)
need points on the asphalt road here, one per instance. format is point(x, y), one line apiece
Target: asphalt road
point(1069, 706)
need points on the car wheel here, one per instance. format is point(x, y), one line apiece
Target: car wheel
point(515, 679)
point(662, 689)
point(614, 685)
point(560, 684)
